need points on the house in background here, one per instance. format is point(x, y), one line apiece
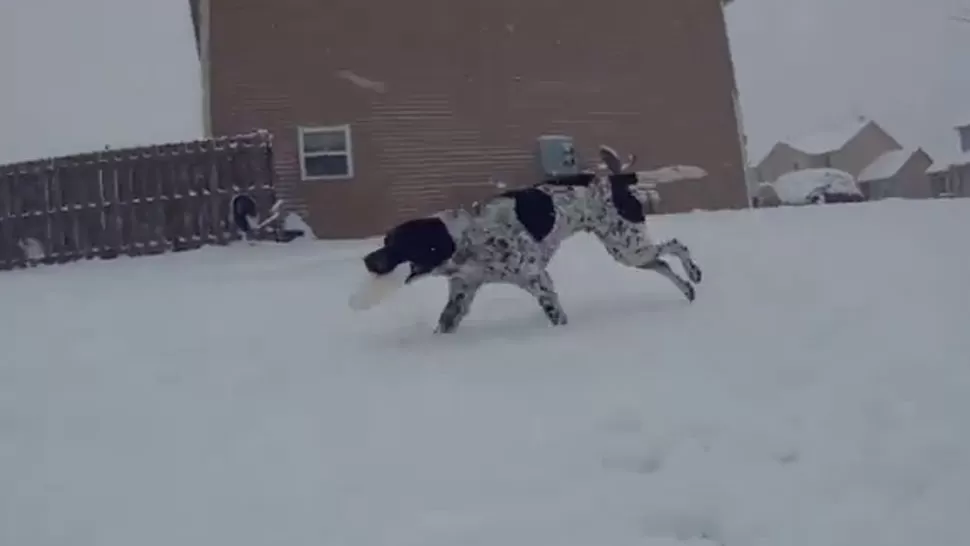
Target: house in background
point(952, 179)
point(862, 148)
point(384, 110)
point(897, 173)
point(850, 147)
point(964, 132)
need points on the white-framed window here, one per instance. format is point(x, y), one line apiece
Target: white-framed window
point(326, 153)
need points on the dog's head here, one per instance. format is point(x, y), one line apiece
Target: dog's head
point(425, 244)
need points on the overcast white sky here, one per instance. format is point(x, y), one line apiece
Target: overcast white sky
point(123, 72)
point(81, 74)
point(804, 65)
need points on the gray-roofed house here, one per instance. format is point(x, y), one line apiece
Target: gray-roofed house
point(952, 178)
point(897, 173)
point(850, 147)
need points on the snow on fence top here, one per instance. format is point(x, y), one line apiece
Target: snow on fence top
point(258, 139)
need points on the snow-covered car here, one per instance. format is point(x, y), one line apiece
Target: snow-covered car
point(811, 186)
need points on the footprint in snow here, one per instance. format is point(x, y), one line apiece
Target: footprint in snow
point(647, 464)
point(623, 422)
point(685, 528)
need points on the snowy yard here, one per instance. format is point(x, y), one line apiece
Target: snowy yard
point(817, 393)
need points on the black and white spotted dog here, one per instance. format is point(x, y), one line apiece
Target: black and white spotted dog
point(512, 237)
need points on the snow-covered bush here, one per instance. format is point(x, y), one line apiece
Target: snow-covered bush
point(766, 196)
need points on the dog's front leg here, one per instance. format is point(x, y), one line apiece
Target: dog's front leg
point(461, 294)
point(542, 289)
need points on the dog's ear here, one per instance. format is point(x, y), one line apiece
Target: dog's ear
point(611, 159)
point(630, 161)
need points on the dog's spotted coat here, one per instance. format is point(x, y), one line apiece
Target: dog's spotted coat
point(512, 237)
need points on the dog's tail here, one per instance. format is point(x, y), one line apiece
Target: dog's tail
point(645, 190)
point(670, 173)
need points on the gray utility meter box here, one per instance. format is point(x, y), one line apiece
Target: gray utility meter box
point(557, 155)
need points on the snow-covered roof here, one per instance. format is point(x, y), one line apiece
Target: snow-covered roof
point(942, 165)
point(886, 165)
point(829, 140)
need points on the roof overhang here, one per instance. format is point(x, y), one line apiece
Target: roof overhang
point(195, 9)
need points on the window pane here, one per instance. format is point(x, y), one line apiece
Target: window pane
point(327, 165)
point(324, 141)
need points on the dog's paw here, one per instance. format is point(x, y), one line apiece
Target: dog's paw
point(689, 292)
point(556, 316)
point(444, 328)
point(693, 272)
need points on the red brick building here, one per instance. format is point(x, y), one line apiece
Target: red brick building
point(383, 110)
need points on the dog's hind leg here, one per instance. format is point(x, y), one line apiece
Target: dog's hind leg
point(680, 250)
point(638, 252)
point(635, 250)
point(544, 291)
point(461, 294)
point(662, 267)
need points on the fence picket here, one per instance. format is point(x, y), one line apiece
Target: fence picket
point(9, 252)
point(110, 219)
point(14, 221)
point(55, 203)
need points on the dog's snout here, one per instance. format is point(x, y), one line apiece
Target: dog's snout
point(378, 262)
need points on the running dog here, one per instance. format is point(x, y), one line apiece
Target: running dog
point(512, 237)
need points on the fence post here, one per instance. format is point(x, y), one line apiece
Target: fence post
point(8, 246)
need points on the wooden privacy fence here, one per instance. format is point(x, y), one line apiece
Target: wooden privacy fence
point(131, 202)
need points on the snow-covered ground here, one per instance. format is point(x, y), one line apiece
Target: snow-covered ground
point(816, 393)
